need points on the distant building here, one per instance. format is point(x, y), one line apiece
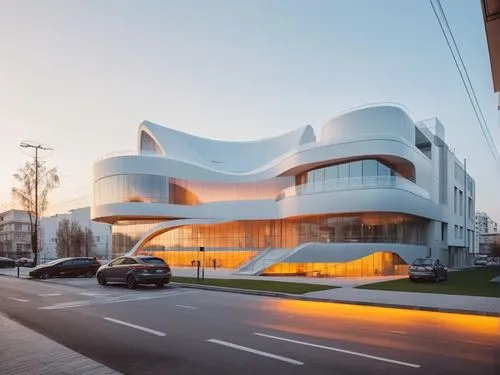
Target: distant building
point(100, 231)
point(15, 241)
point(486, 240)
point(484, 225)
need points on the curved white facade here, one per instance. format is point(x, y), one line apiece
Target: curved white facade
point(375, 183)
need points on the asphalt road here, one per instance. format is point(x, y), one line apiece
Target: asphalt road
point(186, 331)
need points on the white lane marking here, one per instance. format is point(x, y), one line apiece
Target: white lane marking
point(116, 299)
point(49, 294)
point(187, 307)
point(399, 332)
point(140, 328)
point(382, 359)
point(18, 299)
point(254, 351)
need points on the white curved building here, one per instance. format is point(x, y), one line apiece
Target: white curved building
point(373, 193)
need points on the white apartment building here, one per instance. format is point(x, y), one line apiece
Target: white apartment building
point(484, 225)
point(100, 231)
point(15, 240)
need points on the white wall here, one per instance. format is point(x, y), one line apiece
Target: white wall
point(101, 232)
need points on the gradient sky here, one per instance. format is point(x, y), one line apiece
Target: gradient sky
point(81, 75)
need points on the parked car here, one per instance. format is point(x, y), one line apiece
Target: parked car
point(66, 267)
point(135, 270)
point(427, 269)
point(25, 262)
point(481, 262)
point(7, 263)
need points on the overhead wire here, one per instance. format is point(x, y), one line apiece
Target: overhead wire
point(470, 91)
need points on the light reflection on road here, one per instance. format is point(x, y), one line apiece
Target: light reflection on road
point(469, 337)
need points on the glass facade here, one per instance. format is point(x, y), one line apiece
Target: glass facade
point(380, 263)
point(188, 192)
point(231, 244)
point(122, 188)
point(161, 189)
point(126, 233)
point(355, 170)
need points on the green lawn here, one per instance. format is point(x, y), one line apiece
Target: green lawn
point(264, 285)
point(474, 282)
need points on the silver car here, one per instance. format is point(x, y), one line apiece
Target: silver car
point(427, 269)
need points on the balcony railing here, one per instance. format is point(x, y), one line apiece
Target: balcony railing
point(354, 183)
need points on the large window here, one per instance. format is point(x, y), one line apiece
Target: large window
point(232, 243)
point(380, 263)
point(131, 188)
point(145, 188)
point(190, 192)
point(353, 172)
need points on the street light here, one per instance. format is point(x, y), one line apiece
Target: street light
point(36, 147)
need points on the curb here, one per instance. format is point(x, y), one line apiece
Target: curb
point(299, 297)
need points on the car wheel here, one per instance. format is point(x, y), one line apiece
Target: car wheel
point(89, 274)
point(445, 277)
point(131, 283)
point(160, 285)
point(101, 279)
point(436, 278)
point(46, 275)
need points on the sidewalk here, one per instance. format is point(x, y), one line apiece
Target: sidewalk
point(26, 352)
point(427, 301)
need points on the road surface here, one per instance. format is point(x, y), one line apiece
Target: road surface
point(186, 331)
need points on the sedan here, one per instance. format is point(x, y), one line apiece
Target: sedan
point(7, 263)
point(135, 270)
point(66, 267)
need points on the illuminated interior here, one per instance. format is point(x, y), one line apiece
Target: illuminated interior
point(231, 244)
point(183, 258)
point(377, 264)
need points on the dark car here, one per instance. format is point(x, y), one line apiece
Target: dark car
point(66, 267)
point(427, 269)
point(25, 262)
point(7, 263)
point(135, 270)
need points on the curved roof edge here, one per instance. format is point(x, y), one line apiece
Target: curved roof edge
point(233, 156)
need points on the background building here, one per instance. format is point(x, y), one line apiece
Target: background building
point(484, 225)
point(15, 237)
point(376, 191)
point(101, 233)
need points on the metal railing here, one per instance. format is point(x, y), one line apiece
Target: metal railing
point(354, 183)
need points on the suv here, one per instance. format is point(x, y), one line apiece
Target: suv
point(66, 267)
point(427, 269)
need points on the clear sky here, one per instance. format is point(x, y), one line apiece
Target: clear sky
point(81, 75)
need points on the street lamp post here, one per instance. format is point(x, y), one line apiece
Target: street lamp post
point(36, 147)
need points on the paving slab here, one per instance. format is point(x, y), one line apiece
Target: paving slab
point(26, 352)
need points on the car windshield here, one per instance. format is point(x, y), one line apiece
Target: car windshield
point(423, 262)
point(157, 261)
point(52, 262)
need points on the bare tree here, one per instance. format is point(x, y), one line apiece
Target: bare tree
point(63, 238)
point(35, 182)
point(72, 240)
point(89, 241)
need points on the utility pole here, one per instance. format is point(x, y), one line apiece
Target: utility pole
point(34, 239)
